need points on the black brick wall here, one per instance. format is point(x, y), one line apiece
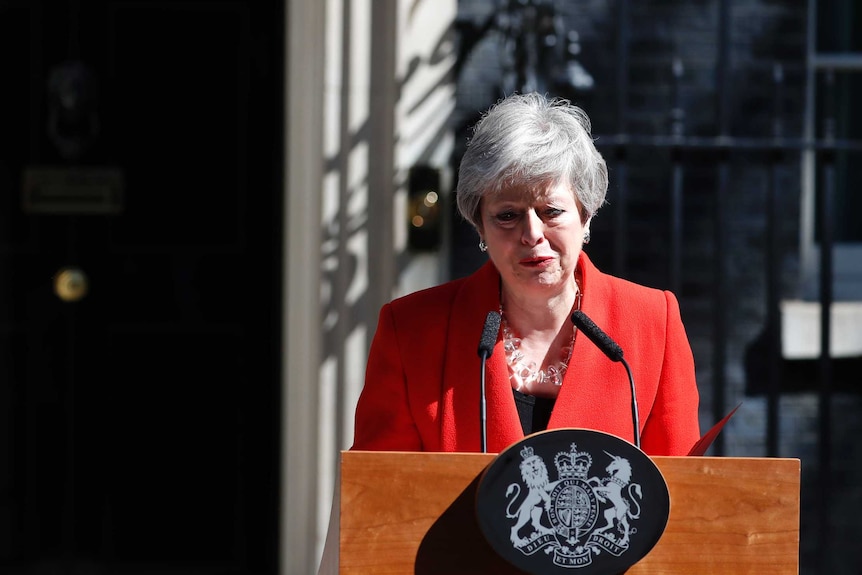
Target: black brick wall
point(761, 35)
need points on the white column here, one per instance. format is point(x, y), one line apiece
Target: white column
point(303, 165)
point(352, 131)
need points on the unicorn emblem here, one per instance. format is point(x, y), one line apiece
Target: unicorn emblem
point(611, 489)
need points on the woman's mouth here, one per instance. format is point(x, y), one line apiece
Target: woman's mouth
point(536, 262)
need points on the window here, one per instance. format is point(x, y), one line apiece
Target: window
point(835, 87)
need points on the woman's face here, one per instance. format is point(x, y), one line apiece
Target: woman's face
point(534, 237)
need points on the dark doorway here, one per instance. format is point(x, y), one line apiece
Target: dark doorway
point(140, 225)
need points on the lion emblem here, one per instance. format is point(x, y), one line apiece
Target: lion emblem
point(534, 472)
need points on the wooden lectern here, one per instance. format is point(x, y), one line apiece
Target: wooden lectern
point(414, 513)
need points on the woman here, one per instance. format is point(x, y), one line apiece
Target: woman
point(530, 182)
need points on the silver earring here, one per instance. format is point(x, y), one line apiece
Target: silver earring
point(483, 247)
point(586, 237)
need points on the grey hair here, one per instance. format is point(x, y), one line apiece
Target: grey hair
point(531, 140)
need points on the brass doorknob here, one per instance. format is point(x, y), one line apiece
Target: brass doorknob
point(70, 284)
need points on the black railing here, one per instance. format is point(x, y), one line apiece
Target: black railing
point(773, 152)
point(685, 153)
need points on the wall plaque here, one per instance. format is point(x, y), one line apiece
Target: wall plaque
point(72, 190)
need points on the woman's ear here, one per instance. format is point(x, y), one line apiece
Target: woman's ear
point(481, 232)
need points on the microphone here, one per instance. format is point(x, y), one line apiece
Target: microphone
point(486, 348)
point(615, 353)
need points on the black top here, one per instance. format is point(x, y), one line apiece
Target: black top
point(533, 411)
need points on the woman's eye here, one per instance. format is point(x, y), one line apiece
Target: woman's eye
point(506, 216)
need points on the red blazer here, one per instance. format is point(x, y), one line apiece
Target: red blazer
point(423, 373)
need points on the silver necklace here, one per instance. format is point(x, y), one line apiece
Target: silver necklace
point(523, 374)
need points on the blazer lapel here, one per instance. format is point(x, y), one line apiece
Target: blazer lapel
point(595, 392)
point(460, 406)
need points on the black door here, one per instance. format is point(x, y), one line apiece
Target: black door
point(140, 178)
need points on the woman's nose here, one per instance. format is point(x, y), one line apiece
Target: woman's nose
point(534, 229)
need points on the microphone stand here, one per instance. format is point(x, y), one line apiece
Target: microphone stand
point(635, 416)
point(483, 410)
point(486, 348)
point(615, 353)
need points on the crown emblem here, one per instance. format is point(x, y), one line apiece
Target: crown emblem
point(527, 452)
point(574, 464)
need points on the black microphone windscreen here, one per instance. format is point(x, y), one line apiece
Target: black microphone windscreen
point(598, 337)
point(489, 334)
